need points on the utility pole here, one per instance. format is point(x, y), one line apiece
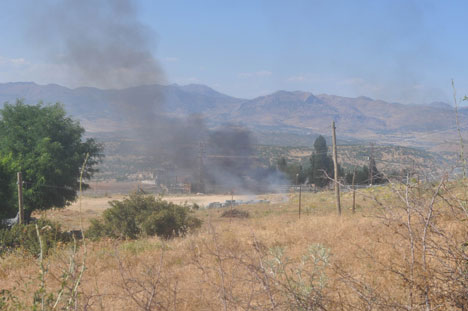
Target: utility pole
point(300, 197)
point(462, 157)
point(201, 183)
point(300, 193)
point(354, 190)
point(20, 199)
point(232, 201)
point(371, 165)
point(335, 164)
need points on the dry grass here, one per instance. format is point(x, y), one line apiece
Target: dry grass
point(228, 264)
point(92, 207)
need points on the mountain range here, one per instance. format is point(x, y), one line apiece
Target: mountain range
point(284, 112)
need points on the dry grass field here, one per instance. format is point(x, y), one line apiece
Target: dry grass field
point(403, 249)
point(92, 207)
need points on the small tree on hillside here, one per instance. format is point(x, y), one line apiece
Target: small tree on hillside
point(282, 164)
point(321, 164)
point(374, 175)
point(363, 176)
point(294, 171)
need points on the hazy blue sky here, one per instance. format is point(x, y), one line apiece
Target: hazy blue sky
point(405, 51)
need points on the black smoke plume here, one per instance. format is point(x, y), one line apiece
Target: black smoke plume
point(102, 43)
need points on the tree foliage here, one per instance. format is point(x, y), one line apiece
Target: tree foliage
point(141, 214)
point(293, 171)
point(48, 147)
point(321, 164)
point(374, 175)
point(7, 188)
point(25, 237)
point(363, 176)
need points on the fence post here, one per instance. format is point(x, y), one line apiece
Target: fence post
point(354, 191)
point(335, 164)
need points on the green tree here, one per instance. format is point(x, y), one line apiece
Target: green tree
point(49, 149)
point(7, 189)
point(282, 164)
point(293, 171)
point(377, 177)
point(362, 176)
point(321, 164)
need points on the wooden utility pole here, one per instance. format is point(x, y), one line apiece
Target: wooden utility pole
point(335, 164)
point(201, 182)
point(462, 157)
point(354, 190)
point(300, 193)
point(300, 196)
point(20, 199)
point(232, 201)
point(371, 165)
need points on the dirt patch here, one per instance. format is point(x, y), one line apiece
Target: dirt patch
point(235, 213)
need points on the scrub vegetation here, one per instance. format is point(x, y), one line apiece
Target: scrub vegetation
point(405, 248)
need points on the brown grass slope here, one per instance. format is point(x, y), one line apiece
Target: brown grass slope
point(402, 250)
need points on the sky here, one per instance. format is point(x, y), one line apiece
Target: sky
point(395, 50)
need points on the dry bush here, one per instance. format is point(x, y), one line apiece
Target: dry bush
point(150, 286)
point(252, 276)
point(46, 288)
point(425, 263)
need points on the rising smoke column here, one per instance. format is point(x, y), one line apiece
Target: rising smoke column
point(102, 43)
point(98, 43)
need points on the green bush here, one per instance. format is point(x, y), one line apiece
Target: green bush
point(141, 214)
point(25, 237)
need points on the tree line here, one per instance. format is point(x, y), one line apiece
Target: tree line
point(321, 171)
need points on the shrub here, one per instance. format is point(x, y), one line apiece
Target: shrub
point(303, 282)
point(141, 214)
point(25, 237)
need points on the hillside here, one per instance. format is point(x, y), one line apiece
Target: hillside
point(282, 118)
point(387, 157)
point(94, 104)
point(303, 109)
point(123, 163)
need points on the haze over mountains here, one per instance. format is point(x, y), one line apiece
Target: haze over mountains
point(297, 112)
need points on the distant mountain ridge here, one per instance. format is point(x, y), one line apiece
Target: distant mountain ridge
point(92, 103)
point(297, 111)
point(303, 109)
